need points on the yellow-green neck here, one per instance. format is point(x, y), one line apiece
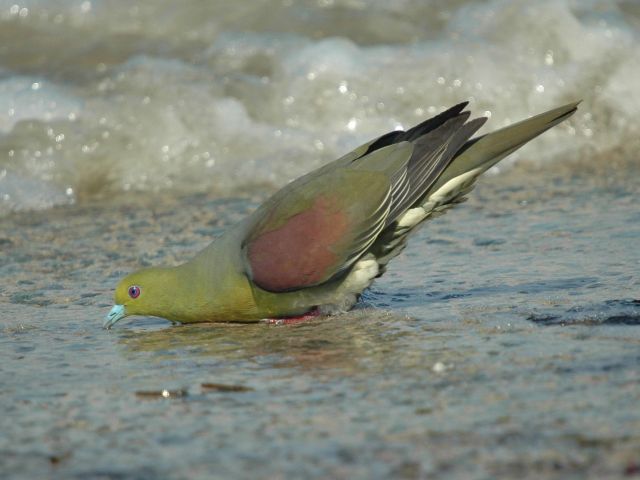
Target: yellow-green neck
point(212, 286)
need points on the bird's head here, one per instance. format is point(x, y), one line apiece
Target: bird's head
point(145, 292)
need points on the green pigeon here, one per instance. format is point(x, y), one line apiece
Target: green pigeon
point(318, 243)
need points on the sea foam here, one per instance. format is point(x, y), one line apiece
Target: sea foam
point(220, 100)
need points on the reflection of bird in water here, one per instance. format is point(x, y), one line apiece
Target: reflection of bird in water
point(315, 346)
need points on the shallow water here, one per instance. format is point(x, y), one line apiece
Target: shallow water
point(504, 342)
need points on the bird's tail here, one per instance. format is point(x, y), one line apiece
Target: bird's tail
point(458, 179)
point(482, 153)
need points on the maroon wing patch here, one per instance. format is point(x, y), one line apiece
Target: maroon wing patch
point(301, 251)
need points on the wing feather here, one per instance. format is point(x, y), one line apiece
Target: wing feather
point(321, 224)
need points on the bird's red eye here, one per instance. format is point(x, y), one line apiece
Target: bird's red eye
point(134, 291)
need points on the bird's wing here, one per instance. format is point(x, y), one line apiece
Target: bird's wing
point(319, 225)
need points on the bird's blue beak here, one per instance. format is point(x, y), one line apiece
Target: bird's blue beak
point(116, 313)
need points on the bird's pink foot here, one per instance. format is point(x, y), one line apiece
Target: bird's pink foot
point(293, 320)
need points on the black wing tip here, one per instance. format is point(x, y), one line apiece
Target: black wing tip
point(452, 112)
point(434, 122)
point(459, 106)
point(418, 130)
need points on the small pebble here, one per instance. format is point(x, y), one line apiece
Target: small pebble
point(220, 387)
